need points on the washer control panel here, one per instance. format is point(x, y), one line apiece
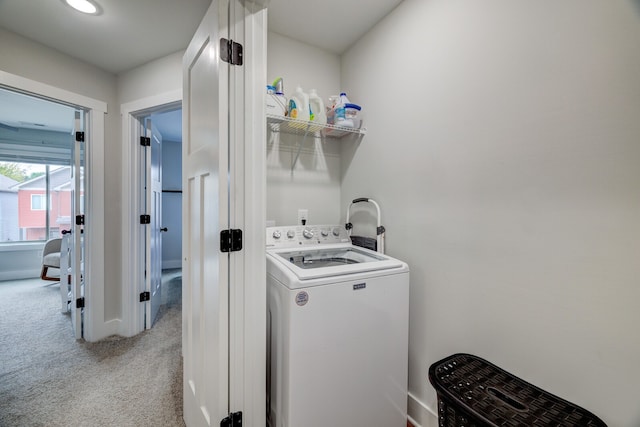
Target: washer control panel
point(299, 235)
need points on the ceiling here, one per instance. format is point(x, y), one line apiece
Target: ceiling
point(129, 33)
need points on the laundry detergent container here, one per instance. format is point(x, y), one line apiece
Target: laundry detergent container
point(475, 393)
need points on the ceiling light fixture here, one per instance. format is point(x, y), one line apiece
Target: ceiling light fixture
point(84, 6)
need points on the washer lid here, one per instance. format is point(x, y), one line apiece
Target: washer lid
point(334, 260)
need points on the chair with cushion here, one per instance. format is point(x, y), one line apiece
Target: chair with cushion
point(51, 258)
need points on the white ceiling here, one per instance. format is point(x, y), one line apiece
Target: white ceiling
point(23, 111)
point(129, 33)
point(333, 25)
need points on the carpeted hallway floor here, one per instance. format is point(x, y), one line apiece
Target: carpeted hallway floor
point(47, 378)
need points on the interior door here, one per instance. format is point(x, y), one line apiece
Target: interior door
point(153, 184)
point(76, 241)
point(205, 296)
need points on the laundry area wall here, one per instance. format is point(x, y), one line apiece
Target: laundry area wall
point(502, 147)
point(314, 182)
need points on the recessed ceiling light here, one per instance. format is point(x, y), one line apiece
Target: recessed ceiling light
point(84, 6)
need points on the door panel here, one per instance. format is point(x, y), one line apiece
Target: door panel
point(153, 184)
point(76, 248)
point(205, 212)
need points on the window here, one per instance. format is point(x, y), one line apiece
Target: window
point(36, 151)
point(25, 214)
point(38, 202)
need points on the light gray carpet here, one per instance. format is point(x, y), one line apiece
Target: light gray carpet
point(47, 378)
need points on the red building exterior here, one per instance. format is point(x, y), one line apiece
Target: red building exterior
point(32, 208)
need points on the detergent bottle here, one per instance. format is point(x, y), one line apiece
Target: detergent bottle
point(339, 112)
point(276, 104)
point(317, 112)
point(299, 105)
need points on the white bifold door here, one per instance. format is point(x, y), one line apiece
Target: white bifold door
point(76, 241)
point(208, 188)
point(223, 269)
point(152, 182)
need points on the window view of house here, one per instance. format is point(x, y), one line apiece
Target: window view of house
point(35, 201)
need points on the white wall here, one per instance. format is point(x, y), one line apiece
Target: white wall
point(21, 261)
point(314, 183)
point(155, 77)
point(172, 204)
point(34, 61)
point(506, 139)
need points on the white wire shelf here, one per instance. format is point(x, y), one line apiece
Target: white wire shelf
point(301, 127)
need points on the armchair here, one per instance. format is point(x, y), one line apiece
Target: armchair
point(51, 258)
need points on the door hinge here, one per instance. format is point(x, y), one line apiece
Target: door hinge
point(233, 420)
point(80, 136)
point(145, 296)
point(230, 51)
point(230, 240)
point(79, 219)
point(145, 219)
point(80, 303)
point(145, 141)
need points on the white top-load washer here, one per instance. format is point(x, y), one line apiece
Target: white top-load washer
point(337, 331)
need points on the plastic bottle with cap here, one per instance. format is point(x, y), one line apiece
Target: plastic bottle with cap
point(340, 118)
point(299, 105)
point(317, 113)
point(276, 104)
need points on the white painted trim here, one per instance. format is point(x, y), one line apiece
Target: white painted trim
point(51, 92)
point(132, 237)
point(152, 102)
point(254, 165)
point(420, 414)
point(95, 327)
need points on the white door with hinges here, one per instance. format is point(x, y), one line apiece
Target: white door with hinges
point(76, 241)
point(205, 272)
point(224, 274)
point(153, 239)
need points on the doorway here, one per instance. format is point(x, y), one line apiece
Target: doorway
point(161, 180)
point(42, 193)
point(153, 133)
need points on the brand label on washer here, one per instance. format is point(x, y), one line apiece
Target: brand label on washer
point(302, 298)
point(358, 286)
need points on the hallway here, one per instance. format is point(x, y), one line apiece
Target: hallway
point(49, 378)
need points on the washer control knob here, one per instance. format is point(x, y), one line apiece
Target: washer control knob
point(335, 231)
point(291, 234)
point(307, 233)
point(277, 234)
point(324, 233)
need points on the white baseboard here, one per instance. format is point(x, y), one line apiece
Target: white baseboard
point(20, 274)
point(170, 264)
point(420, 415)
